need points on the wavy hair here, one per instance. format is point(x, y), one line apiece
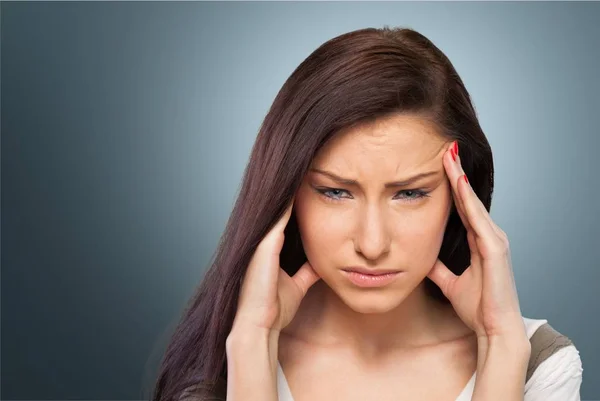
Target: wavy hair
point(354, 78)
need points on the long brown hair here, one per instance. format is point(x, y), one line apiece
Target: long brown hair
point(353, 78)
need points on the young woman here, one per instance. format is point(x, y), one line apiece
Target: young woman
point(360, 260)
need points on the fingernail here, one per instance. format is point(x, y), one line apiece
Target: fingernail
point(456, 147)
point(466, 179)
point(452, 152)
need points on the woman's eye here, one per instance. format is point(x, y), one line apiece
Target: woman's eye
point(412, 194)
point(406, 194)
point(335, 193)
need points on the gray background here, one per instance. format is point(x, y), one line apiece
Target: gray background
point(126, 128)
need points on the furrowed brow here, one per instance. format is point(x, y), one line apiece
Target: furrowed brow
point(352, 182)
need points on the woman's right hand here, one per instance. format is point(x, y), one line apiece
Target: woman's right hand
point(269, 297)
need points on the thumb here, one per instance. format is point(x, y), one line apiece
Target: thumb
point(305, 277)
point(442, 277)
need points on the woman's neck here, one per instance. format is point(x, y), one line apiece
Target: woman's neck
point(419, 321)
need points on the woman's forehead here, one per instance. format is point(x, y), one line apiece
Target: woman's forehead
point(403, 140)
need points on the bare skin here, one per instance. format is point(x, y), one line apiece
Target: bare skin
point(438, 370)
point(347, 342)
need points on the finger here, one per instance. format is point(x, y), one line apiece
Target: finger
point(442, 277)
point(273, 240)
point(468, 201)
point(456, 172)
point(263, 270)
point(484, 212)
point(475, 256)
point(471, 240)
point(453, 174)
point(305, 277)
point(479, 219)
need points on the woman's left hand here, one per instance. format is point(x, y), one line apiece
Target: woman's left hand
point(484, 296)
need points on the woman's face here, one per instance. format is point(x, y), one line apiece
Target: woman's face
point(368, 224)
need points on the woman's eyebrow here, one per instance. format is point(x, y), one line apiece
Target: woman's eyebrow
point(352, 182)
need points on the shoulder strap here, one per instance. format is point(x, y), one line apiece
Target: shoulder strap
point(544, 343)
point(206, 392)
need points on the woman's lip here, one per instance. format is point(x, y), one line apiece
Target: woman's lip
point(369, 272)
point(368, 280)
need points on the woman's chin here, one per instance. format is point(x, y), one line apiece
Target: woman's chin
point(372, 302)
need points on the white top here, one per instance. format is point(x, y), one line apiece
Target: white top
point(558, 378)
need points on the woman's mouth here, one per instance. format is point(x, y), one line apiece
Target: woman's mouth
point(361, 278)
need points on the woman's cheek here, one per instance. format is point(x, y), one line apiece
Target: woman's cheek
point(322, 233)
point(424, 232)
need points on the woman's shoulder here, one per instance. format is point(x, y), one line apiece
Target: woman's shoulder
point(555, 370)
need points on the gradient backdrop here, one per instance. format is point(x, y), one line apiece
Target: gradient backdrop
point(126, 128)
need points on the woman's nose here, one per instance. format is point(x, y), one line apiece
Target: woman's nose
point(372, 237)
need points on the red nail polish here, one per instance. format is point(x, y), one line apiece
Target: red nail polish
point(456, 147)
point(452, 153)
point(466, 179)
